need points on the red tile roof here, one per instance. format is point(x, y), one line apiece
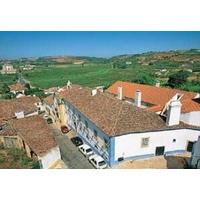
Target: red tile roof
point(49, 100)
point(9, 107)
point(51, 90)
point(157, 96)
point(113, 116)
point(16, 87)
point(190, 105)
point(35, 132)
point(7, 130)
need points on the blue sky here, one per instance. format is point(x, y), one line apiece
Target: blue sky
point(101, 44)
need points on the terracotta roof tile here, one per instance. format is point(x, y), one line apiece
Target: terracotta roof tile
point(190, 105)
point(7, 130)
point(156, 96)
point(9, 107)
point(16, 87)
point(35, 132)
point(113, 116)
point(49, 100)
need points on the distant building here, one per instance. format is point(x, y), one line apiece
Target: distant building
point(8, 69)
point(52, 90)
point(78, 62)
point(27, 67)
point(22, 127)
point(128, 62)
point(17, 88)
point(163, 70)
point(34, 136)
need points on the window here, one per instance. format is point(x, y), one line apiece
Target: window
point(86, 124)
point(95, 133)
point(106, 143)
point(145, 142)
point(174, 140)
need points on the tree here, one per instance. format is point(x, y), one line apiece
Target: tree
point(27, 85)
point(119, 65)
point(35, 91)
point(178, 78)
point(144, 78)
point(4, 89)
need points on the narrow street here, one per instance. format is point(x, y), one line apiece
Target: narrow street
point(72, 158)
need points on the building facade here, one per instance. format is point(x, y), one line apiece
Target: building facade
point(118, 130)
point(8, 69)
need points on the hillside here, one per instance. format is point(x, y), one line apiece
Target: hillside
point(146, 68)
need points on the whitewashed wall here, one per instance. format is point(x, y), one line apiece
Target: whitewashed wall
point(130, 145)
point(97, 143)
point(192, 118)
point(50, 157)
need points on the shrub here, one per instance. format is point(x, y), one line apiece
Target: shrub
point(144, 78)
point(16, 153)
point(35, 91)
point(178, 78)
point(2, 157)
point(36, 165)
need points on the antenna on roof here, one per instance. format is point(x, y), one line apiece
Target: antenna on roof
point(69, 84)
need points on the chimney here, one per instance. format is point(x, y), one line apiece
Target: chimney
point(94, 92)
point(69, 84)
point(119, 93)
point(158, 84)
point(173, 113)
point(138, 98)
point(100, 88)
point(19, 115)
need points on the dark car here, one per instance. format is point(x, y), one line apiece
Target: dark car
point(77, 141)
point(49, 121)
point(64, 129)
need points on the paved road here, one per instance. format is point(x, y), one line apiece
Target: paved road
point(69, 153)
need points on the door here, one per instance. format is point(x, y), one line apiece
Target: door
point(160, 151)
point(190, 146)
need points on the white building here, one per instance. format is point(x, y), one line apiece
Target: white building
point(34, 136)
point(157, 99)
point(118, 130)
point(8, 69)
point(17, 89)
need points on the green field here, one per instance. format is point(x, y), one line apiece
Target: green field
point(146, 68)
point(90, 75)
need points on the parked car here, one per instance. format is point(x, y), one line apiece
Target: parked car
point(85, 150)
point(64, 129)
point(97, 161)
point(49, 121)
point(77, 141)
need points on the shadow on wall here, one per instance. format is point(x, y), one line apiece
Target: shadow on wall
point(177, 162)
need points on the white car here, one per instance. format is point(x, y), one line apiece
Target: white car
point(45, 116)
point(85, 150)
point(97, 161)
